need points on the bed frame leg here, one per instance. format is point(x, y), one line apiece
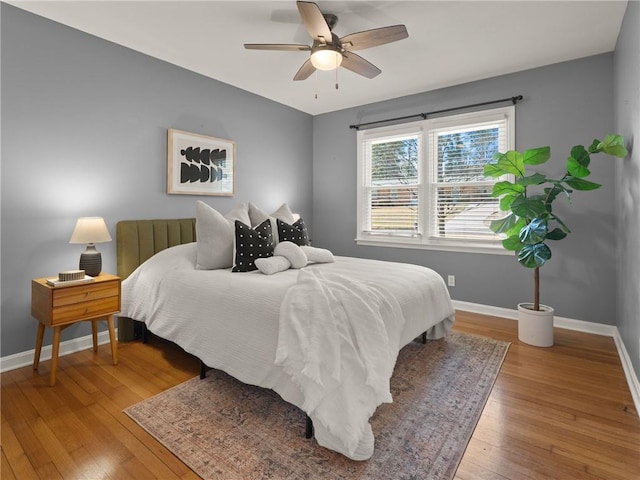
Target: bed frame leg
point(203, 370)
point(308, 429)
point(424, 338)
point(145, 333)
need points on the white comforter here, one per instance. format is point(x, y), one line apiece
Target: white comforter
point(354, 316)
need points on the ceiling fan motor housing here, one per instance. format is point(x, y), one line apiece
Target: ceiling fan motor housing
point(331, 20)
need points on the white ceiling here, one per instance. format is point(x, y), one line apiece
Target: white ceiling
point(450, 42)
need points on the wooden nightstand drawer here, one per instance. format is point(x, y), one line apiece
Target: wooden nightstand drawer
point(93, 308)
point(85, 293)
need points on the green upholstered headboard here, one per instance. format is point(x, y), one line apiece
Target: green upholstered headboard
point(138, 240)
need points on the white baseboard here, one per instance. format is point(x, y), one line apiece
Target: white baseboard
point(570, 324)
point(632, 378)
point(22, 359)
point(560, 322)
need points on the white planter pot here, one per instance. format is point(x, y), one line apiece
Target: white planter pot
point(535, 327)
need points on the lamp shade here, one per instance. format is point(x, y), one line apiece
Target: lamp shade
point(90, 230)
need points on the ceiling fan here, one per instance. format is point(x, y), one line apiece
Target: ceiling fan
point(329, 52)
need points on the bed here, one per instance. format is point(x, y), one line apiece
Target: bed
point(324, 337)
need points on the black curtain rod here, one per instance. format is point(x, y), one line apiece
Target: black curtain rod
point(424, 116)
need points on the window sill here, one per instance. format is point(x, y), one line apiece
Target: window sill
point(444, 247)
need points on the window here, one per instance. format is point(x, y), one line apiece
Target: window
point(422, 184)
point(392, 183)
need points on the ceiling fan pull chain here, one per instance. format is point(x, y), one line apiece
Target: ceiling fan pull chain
point(336, 75)
point(316, 94)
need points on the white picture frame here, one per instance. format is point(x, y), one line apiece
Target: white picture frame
point(200, 165)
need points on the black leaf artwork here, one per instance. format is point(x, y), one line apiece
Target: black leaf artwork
point(203, 165)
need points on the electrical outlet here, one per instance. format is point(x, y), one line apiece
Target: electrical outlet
point(451, 280)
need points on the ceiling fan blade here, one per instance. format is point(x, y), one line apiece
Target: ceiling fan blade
point(374, 37)
point(288, 47)
point(306, 69)
point(314, 21)
point(359, 65)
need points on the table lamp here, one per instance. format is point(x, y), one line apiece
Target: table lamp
point(90, 230)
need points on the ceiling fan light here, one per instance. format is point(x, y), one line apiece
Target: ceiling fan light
point(326, 59)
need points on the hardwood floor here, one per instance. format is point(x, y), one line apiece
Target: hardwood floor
point(563, 412)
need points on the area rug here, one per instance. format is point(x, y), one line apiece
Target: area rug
point(224, 429)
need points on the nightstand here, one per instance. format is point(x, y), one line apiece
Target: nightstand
point(61, 306)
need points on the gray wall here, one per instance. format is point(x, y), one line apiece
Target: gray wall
point(627, 102)
point(84, 127)
point(564, 104)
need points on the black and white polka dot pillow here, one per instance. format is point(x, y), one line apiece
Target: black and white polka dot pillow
point(296, 233)
point(252, 243)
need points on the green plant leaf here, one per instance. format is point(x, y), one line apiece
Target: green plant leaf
point(492, 170)
point(533, 256)
point(506, 201)
point(517, 226)
point(544, 200)
point(511, 162)
point(528, 207)
point(580, 184)
point(594, 147)
point(536, 156)
point(512, 243)
point(534, 232)
point(535, 179)
point(503, 225)
point(505, 188)
point(613, 145)
point(556, 234)
point(581, 155)
point(576, 169)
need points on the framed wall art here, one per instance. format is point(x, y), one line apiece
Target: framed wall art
point(200, 165)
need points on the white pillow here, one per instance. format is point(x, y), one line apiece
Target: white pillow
point(291, 252)
point(215, 234)
point(258, 216)
point(272, 265)
point(318, 255)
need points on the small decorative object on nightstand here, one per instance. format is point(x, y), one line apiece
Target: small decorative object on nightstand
point(59, 307)
point(90, 230)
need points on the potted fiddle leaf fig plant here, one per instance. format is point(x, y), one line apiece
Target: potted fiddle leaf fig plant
point(530, 222)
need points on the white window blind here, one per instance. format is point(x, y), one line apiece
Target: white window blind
point(393, 184)
point(422, 183)
point(461, 202)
